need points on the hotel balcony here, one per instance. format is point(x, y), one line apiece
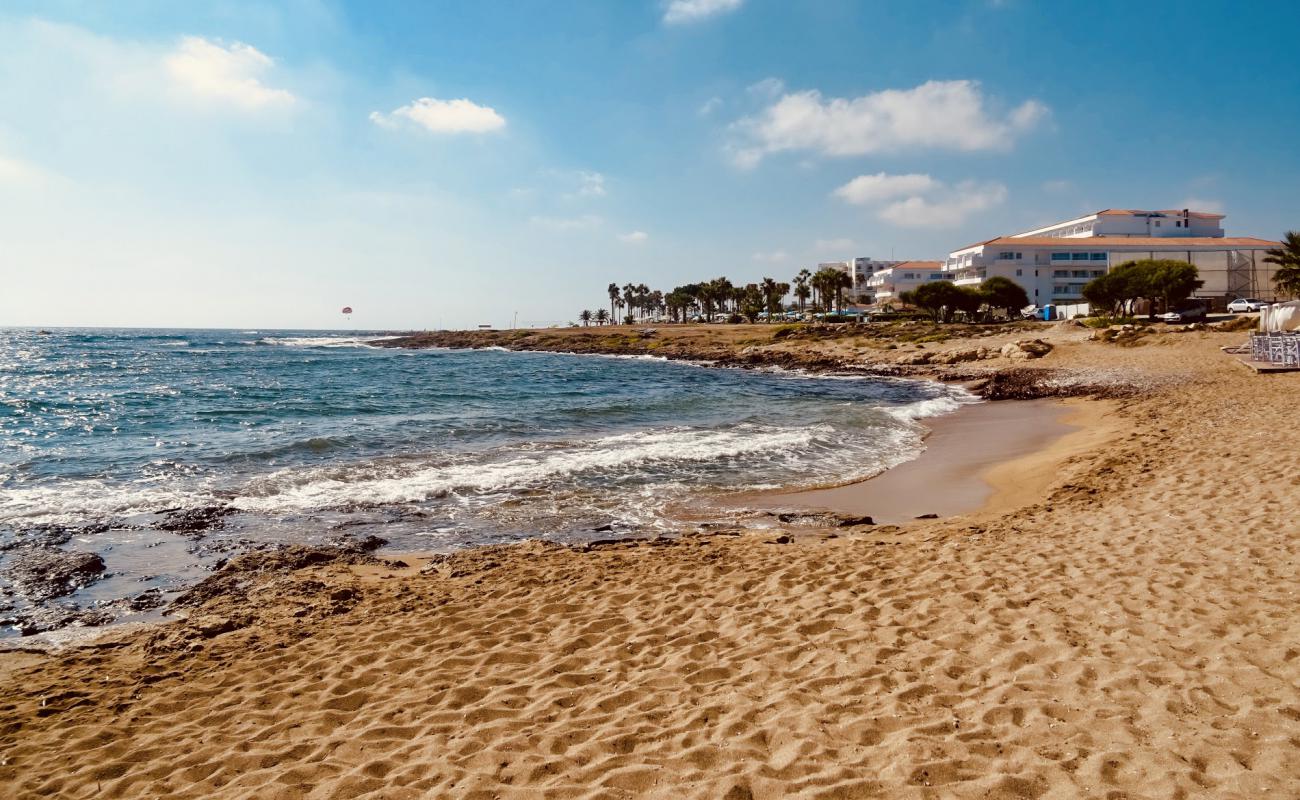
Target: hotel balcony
point(968, 275)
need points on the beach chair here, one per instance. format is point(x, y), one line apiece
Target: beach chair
point(1291, 350)
point(1258, 347)
point(1276, 349)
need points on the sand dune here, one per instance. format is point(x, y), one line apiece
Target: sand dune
point(1133, 633)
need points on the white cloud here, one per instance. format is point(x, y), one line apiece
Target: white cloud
point(444, 116)
point(769, 88)
point(591, 184)
point(772, 257)
point(1197, 204)
point(634, 237)
point(229, 73)
point(584, 222)
point(13, 171)
point(949, 115)
point(709, 106)
point(948, 210)
point(920, 201)
point(679, 12)
point(866, 189)
point(834, 245)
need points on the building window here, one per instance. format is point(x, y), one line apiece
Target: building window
point(1078, 256)
point(1157, 223)
point(1060, 288)
point(1018, 272)
point(1098, 256)
point(1060, 256)
point(1097, 273)
point(909, 276)
point(1060, 273)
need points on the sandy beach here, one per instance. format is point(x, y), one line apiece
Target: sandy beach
point(989, 457)
point(1108, 612)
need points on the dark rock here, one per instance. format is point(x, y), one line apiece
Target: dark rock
point(147, 600)
point(782, 539)
point(41, 573)
point(848, 521)
point(195, 520)
point(42, 619)
point(928, 516)
point(604, 528)
point(236, 575)
point(366, 544)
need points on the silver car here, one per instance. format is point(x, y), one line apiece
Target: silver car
point(1243, 305)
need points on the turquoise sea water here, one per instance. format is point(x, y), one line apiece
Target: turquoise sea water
point(307, 434)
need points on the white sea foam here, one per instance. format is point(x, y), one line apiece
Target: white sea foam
point(325, 341)
point(934, 406)
point(396, 483)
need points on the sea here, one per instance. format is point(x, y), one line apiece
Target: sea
point(306, 436)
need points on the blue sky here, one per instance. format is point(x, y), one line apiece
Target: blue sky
point(445, 164)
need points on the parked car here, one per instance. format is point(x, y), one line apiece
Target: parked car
point(1031, 312)
point(1194, 312)
point(1244, 305)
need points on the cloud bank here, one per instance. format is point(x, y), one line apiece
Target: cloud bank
point(938, 115)
point(443, 116)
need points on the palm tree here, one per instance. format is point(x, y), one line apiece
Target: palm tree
point(801, 289)
point(585, 316)
point(613, 297)
point(602, 316)
point(629, 298)
point(1287, 258)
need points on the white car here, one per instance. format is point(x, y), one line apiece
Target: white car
point(1243, 305)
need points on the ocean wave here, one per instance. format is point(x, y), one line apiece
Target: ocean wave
point(323, 341)
point(947, 403)
point(400, 482)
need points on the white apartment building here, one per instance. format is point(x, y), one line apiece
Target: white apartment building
point(885, 285)
point(1054, 262)
point(859, 270)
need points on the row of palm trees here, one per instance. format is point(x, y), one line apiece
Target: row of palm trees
point(637, 302)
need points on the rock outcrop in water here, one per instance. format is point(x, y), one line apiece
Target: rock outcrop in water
point(44, 573)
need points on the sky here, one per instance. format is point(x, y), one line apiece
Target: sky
point(447, 164)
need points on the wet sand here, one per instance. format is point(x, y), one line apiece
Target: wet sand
point(957, 473)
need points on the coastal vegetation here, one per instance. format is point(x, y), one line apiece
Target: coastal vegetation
point(943, 300)
point(1166, 281)
point(1287, 259)
point(821, 292)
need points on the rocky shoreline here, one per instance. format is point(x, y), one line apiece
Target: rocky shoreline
point(992, 361)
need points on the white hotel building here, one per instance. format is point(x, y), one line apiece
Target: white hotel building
point(885, 285)
point(859, 271)
point(1053, 263)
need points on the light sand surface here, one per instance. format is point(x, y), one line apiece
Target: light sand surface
point(959, 470)
point(1132, 632)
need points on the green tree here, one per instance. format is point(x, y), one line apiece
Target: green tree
point(602, 317)
point(801, 288)
point(1171, 281)
point(942, 299)
point(1003, 293)
point(830, 284)
point(613, 299)
point(1106, 292)
point(585, 316)
point(1286, 278)
point(751, 301)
